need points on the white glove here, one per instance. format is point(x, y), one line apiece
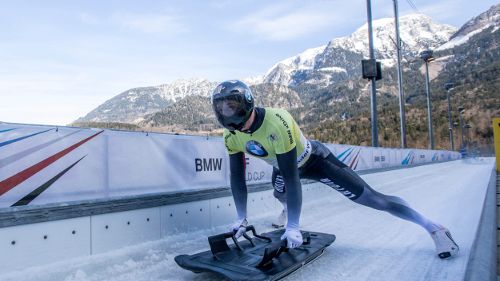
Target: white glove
point(239, 227)
point(293, 238)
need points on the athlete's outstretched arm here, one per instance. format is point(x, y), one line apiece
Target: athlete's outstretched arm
point(238, 183)
point(287, 163)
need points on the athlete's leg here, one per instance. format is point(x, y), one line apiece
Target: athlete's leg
point(444, 243)
point(395, 206)
point(337, 175)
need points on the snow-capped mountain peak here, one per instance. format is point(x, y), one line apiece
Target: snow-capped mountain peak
point(325, 64)
point(304, 60)
point(417, 31)
point(282, 71)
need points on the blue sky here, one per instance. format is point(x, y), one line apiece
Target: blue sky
point(61, 59)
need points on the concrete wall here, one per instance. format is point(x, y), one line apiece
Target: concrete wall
point(48, 242)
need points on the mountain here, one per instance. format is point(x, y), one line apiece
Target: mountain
point(340, 58)
point(472, 66)
point(326, 65)
point(132, 105)
point(323, 89)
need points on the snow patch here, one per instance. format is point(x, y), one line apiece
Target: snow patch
point(304, 60)
point(459, 40)
point(132, 98)
point(253, 80)
point(333, 69)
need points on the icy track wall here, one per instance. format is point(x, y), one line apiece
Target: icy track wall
point(71, 192)
point(42, 165)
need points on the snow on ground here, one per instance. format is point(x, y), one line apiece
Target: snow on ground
point(370, 245)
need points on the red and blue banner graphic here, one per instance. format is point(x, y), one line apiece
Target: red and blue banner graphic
point(11, 182)
point(32, 195)
point(24, 153)
point(350, 157)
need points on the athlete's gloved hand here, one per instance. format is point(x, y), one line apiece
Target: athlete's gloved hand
point(239, 227)
point(293, 237)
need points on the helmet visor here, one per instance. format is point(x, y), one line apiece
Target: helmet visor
point(229, 106)
point(231, 111)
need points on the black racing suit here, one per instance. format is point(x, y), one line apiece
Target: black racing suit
point(321, 166)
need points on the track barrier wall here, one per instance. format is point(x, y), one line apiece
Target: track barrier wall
point(42, 165)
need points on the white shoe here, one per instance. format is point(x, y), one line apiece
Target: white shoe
point(281, 220)
point(445, 245)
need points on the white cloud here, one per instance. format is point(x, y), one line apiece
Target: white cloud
point(150, 23)
point(292, 20)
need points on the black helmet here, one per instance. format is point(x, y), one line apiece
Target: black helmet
point(232, 102)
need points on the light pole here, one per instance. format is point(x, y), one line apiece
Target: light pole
point(374, 85)
point(448, 87)
point(467, 140)
point(427, 57)
point(402, 118)
point(461, 111)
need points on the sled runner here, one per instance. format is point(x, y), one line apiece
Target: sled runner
point(261, 257)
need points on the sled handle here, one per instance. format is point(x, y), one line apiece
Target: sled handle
point(277, 248)
point(272, 252)
point(254, 233)
point(218, 242)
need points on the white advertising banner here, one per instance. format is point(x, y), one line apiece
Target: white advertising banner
point(196, 163)
point(48, 164)
point(257, 170)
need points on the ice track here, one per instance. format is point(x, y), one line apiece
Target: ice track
point(370, 245)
